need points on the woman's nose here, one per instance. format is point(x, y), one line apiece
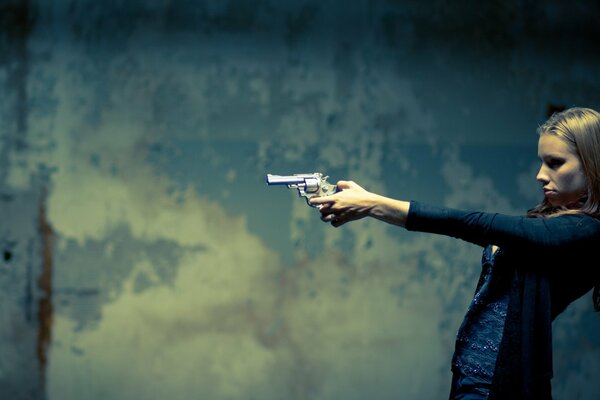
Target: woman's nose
point(542, 176)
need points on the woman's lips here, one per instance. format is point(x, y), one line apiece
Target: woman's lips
point(549, 192)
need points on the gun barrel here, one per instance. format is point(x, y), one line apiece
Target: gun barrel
point(284, 179)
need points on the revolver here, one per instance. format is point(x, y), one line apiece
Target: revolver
point(308, 185)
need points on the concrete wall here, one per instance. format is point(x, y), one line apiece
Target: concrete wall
point(149, 260)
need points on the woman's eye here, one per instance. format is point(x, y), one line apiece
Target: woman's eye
point(554, 163)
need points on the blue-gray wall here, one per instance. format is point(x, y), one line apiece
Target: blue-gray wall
point(145, 258)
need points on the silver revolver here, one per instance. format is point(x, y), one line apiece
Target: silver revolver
point(308, 185)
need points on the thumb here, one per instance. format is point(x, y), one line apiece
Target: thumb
point(348, 185)
point(344, 185)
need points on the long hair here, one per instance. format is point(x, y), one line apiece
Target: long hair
point(580, 129)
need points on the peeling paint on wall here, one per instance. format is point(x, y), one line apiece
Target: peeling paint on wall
point(159, 265)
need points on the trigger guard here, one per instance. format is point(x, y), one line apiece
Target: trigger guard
point(308, 197)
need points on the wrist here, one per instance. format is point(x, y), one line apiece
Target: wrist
point(376, 206)
point(389, 210)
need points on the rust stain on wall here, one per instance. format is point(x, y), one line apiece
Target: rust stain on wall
point(45, 310)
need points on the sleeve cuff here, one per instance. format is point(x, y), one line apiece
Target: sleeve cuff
point(425, 218)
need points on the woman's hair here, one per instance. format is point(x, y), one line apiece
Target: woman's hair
point(580, 129)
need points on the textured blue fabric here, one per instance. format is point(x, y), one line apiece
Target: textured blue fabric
point(469, 388)
point(479, 336)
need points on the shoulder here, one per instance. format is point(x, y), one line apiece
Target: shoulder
point(575, 229)
point(576, 219)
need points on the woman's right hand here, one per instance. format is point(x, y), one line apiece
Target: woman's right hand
point(353, 202)
point(350, 203)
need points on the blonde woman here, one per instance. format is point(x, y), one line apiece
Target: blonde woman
point(533, 266)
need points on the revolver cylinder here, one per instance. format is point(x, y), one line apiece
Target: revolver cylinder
point(308, 185)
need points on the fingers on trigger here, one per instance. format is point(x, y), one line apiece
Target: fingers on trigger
point(327, 217)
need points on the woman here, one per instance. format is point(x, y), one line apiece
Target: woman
point(533, 266)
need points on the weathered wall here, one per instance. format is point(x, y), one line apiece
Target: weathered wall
point(136, 136)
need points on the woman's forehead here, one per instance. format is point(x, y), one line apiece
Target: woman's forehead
point(549, 145)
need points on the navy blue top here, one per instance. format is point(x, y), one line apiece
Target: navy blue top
point(479, 336)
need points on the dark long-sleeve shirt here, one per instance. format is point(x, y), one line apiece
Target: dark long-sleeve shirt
point(548, 259)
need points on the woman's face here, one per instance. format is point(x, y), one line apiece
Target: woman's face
point(561, 173)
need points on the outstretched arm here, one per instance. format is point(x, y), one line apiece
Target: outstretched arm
point(353, 202)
